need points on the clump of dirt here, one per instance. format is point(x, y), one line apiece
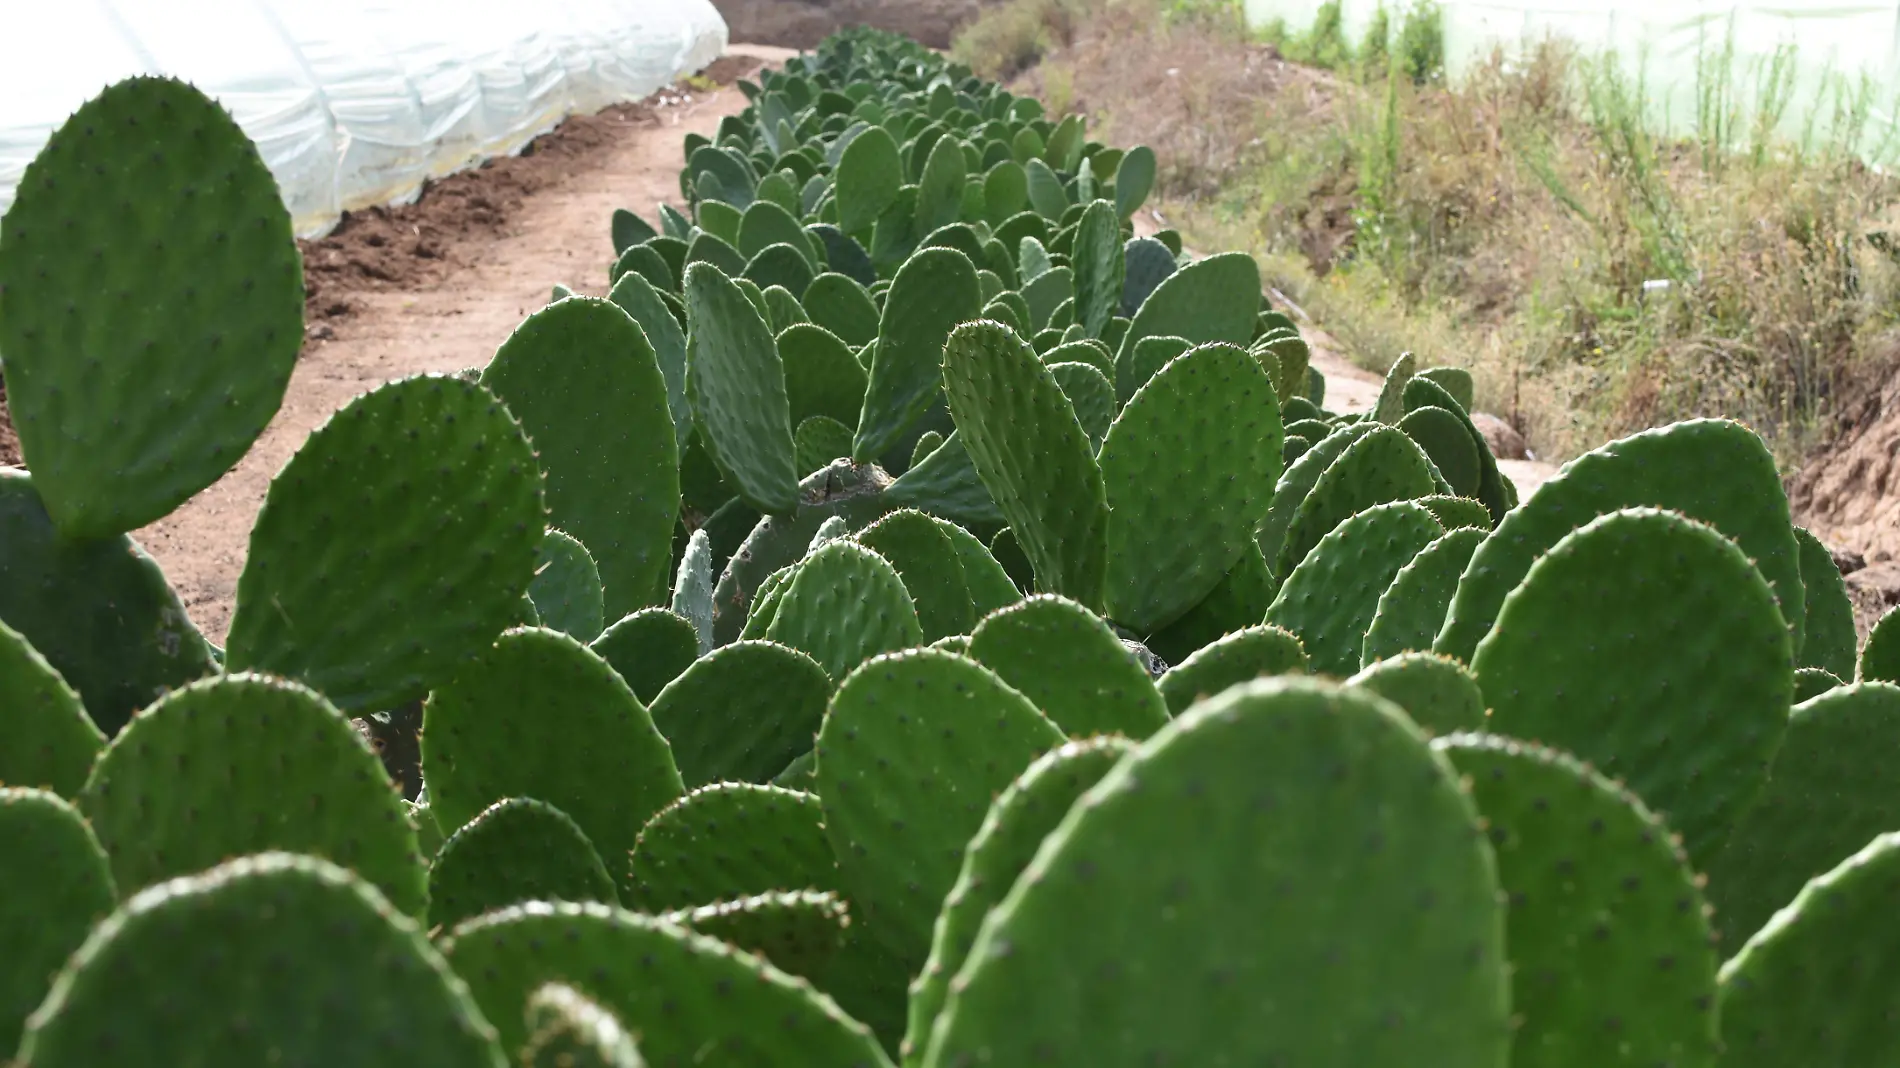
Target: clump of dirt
point(406, 247)
point(1849, 495)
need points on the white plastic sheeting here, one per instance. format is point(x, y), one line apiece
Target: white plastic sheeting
point(1835, 47)
point(352, 102)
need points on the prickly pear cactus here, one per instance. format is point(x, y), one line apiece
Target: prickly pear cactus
point(1308, 774)
point(151, 305)
point(1611, 954)
point(736, 383)
point(566, 1029)
point(1071, 666)
point(515, 850)
point(729, 841)
point(1412, 609)
point(649, 649)
point(1331, 597)
point(799, 931)
point(1437, 692)
point(742, 713)
point(287, 959)
point(1828, 638)
point(240, 764)
point(1251, 653)
point(50, 742)
point(934, 291)
point(54, 886)
point(1675, 678)
point(566, 590)
point(845, 605)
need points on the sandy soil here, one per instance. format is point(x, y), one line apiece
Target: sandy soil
point(440, 298)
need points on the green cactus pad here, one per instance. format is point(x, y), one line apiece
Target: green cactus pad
point(1611, 955)
point(50, 742)
point(1214, 299)
point(1331, 597)
point(708, 248)
point(742, 713)
point(1239, 601)
point(736, 382)
point(785, 270)
point(241, 764)
point(286, 960)
point(1090, 394)
point(588, 390)
point(693, 588)
point(1879, 657)
point(1133, 179)
point(1391, 403)
point(821, 376)
point(1815, 987)
point(1828, 639)
point(540, 716)
point(1455, 512)
point(1071, 666)
point(869, 175)
point(151, 305)
point(1032, 454)
point(940, 186)
point(1648, 645)
point(799, 931)
point(726, 841)
point(928, 442)
point(649, 649)
point(840, 305)
point(946, 484)
point(1025, 814)
point(1412, 609)
point(1205, 429)
point(1711, 470)
point(1253, 653)
point(1324, 799)
point(1100, 271)
point(568, 1030)
point(845, 606)
point(855, 493)
point(990, 586)
point(100, 612)
point(54, 886)
point(1437, 692)
point(1297, 480)
point(1813, 682)
point(566, 587)
point(640, 299)
point(630, 229)
point(1444, 439)
point(515, 850)
point(392, 547)
point(689, 998)
point(1047, 292)
point(1382, 466)
point(918, 547)
point(765, 224)
point(934, 291)
point(818, 441)
point(1455, 381)
point(1496, 491)
point(1147, 263)
point(914, 748)
point(1831, 790)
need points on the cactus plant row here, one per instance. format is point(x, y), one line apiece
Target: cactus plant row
point(913, 619)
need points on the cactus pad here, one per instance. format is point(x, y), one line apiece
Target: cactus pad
point(1021, 817)
point(54, 886)
point(100, 612)
point(736, 383)
point(1828, 639)
point(649, 649)
point(1100, 270)
point(50, 742)
point(240, 764)
point(1648, 645)
point(515, 850)
point(1412, 609)
point(742, 713)
point(540, 716)
point(1444, 438)
point(151, 305)
point(1071, 666)
point(1032, 454)
point(693, 588)
point(568, 1030)
point(587, 387)
point(845, 605)
point(799, 931)
point(1437, 692)
point(1814, 987)
point(286, 960)
point(1611, 955)
point(1353, 827)
point(566, 587)
point(1214, 299)
point(914, 748)
point(934, 291)
point(392, 547)
point(918, 548)
point(1206, 428)
point(1711, 470)
point(1253, 653)
point(1331, 597)
point(1830, 791)
point(1382, 466)
point(727, 841)
point(688, 997)
point(640, 299)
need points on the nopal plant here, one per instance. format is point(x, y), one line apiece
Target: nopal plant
point(913, 619)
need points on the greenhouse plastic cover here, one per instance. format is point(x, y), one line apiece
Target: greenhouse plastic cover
point(1835, 46)
point(353, 103)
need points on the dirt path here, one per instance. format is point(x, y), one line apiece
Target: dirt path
point(456, 318)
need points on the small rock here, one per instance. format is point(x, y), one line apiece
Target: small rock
point(1505, 442)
